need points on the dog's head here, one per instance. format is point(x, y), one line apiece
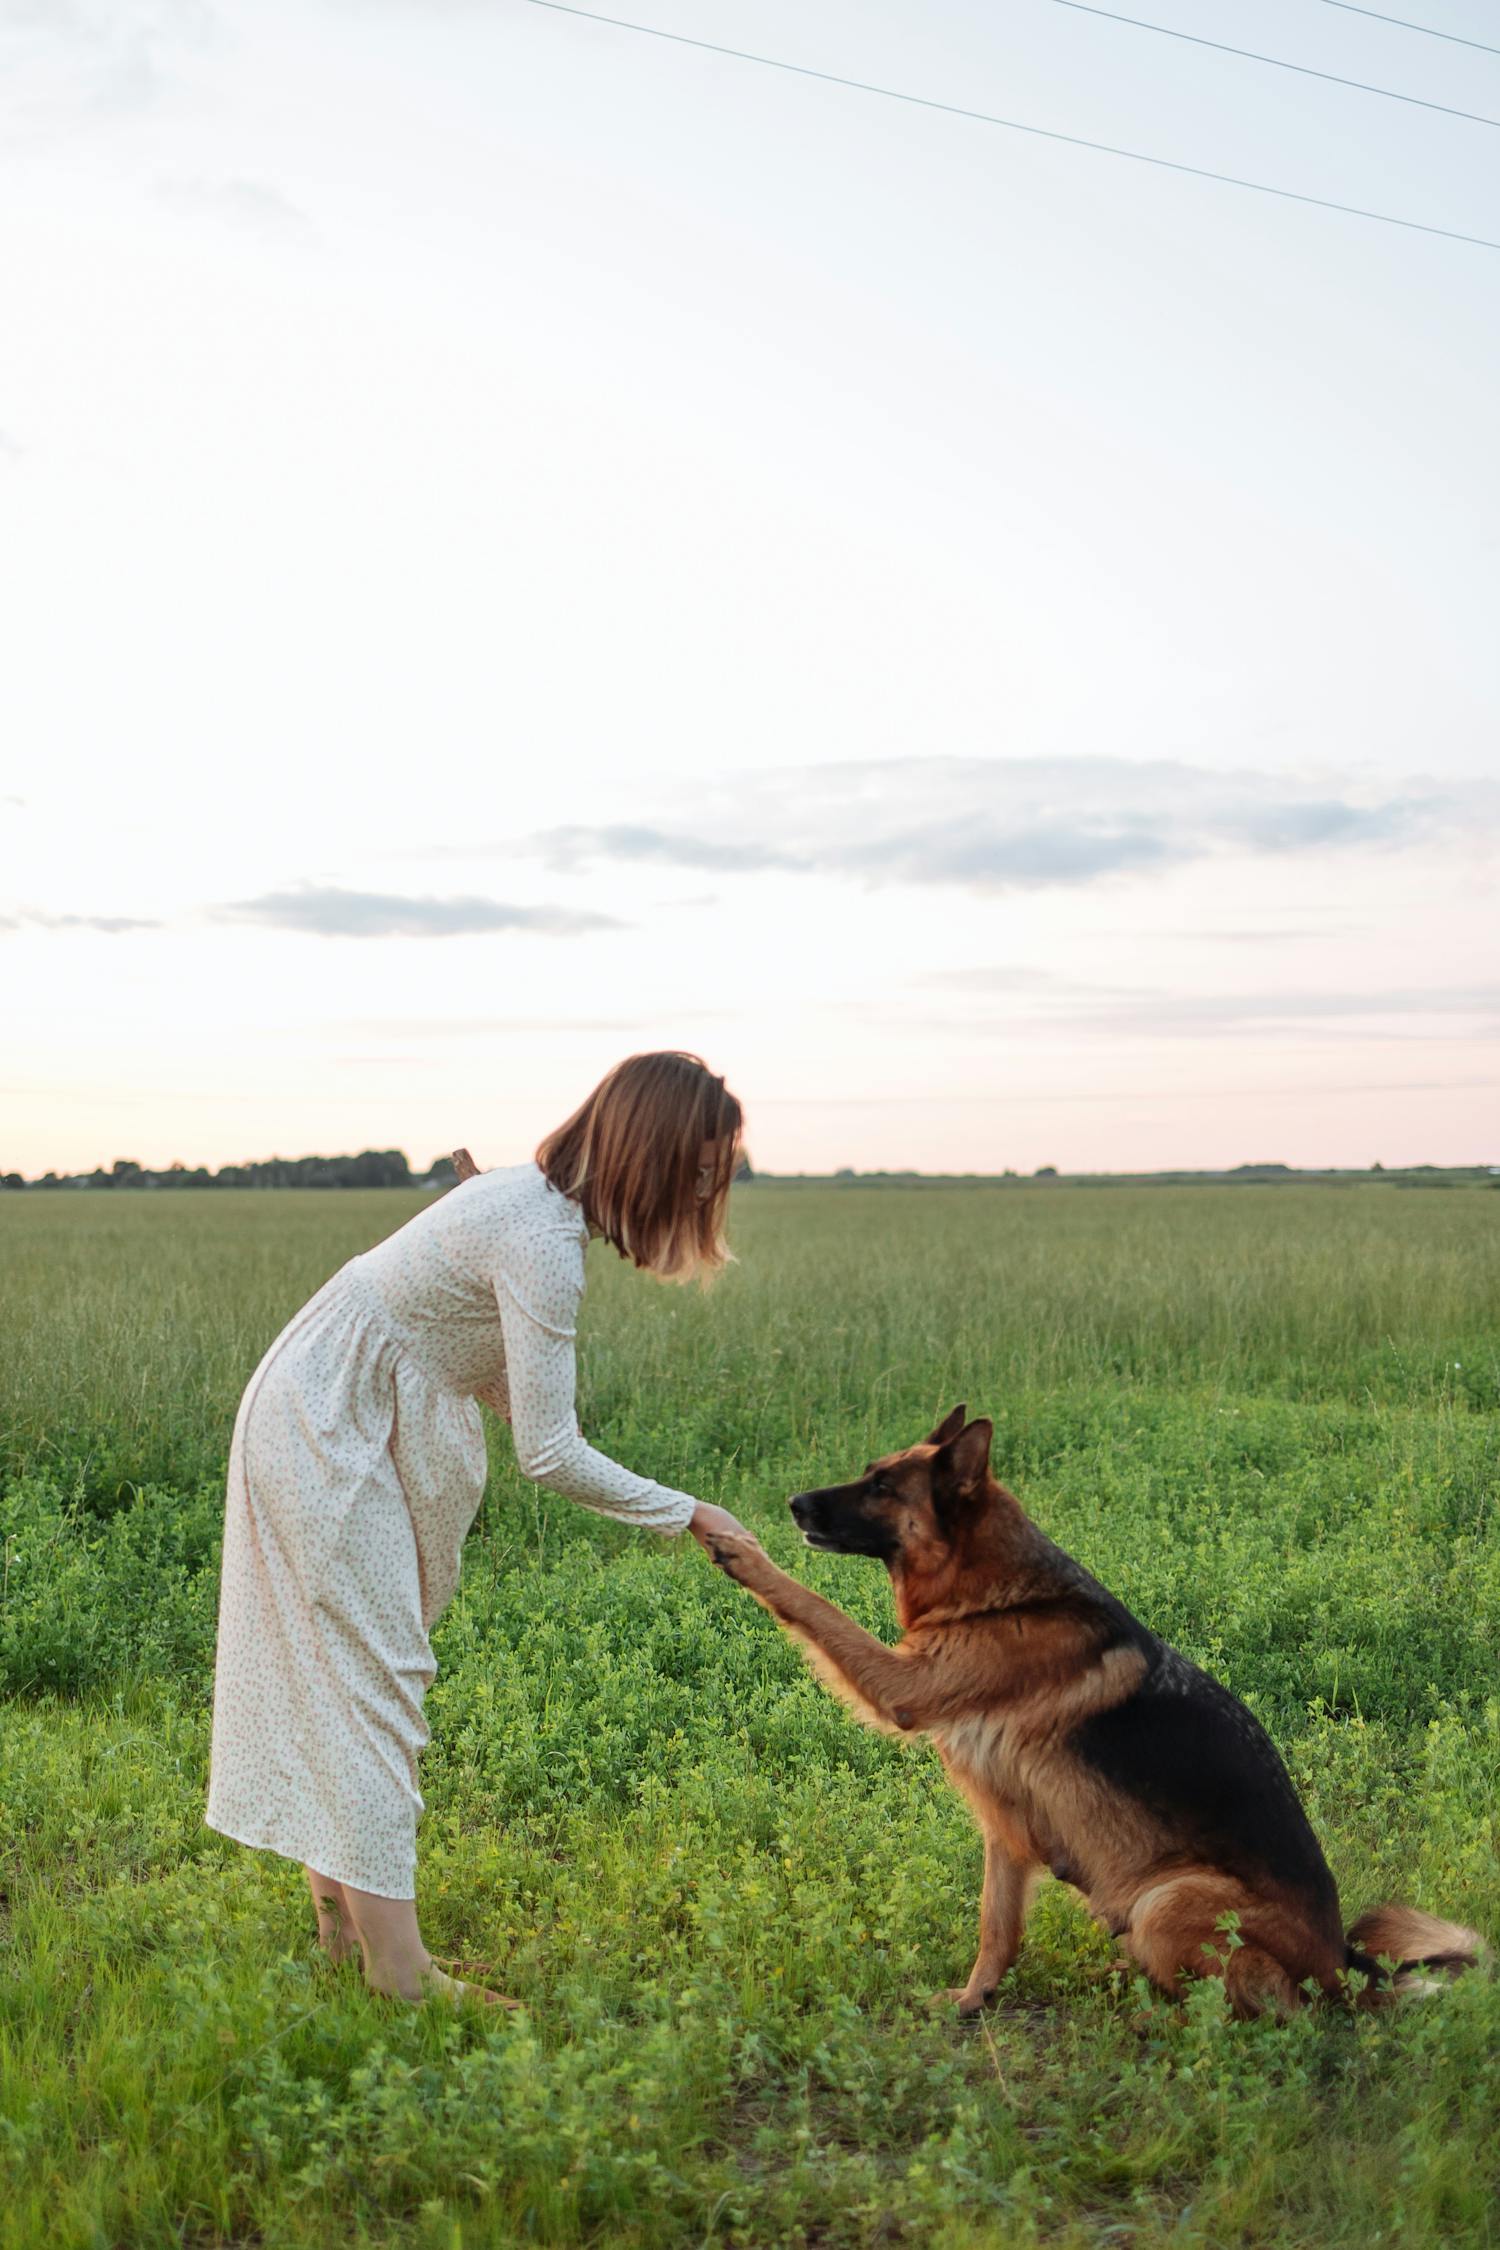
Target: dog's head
point(909, 1509)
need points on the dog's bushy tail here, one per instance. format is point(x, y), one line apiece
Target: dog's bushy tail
point(1422, 1947)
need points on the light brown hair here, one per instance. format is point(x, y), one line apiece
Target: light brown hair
point(629, 1155)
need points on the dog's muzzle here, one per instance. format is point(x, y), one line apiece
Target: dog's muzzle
point(804, 1507)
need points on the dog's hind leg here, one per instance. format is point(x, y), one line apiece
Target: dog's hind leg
point(1007, 1890)
point(1258, 1984)
point(1208, 1925)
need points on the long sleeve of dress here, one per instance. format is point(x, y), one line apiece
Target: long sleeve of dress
point(538, 1302)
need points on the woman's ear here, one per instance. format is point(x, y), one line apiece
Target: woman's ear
point(949, 1427)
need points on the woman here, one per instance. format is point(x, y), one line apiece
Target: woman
point(358, 1462)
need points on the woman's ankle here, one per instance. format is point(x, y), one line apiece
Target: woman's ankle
point(396, 1958)
point(337, 1935)
point(400, 1976)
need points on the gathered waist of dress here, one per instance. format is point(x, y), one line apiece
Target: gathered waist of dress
point(459, 1371)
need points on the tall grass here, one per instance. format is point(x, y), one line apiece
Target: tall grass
point(1266, 1417)
point(128, 1322)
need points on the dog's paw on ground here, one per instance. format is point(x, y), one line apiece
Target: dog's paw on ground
point(962, 2000)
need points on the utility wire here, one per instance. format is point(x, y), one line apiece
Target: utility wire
point(1403, 24)
point(1012, 125)
point(1304, 70)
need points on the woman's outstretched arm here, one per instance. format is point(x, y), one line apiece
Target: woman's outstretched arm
point(541, 1373)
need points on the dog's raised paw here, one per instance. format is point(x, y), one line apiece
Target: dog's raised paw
point(735, 1557)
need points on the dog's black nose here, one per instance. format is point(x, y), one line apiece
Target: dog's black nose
point(798, 1505)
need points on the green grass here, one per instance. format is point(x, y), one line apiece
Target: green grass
point(1267, 1419)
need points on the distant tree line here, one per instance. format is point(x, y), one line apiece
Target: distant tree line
point(1238, 1175)
point(372, 1168)
point(388, 1168)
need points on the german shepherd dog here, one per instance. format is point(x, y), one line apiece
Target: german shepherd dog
point(1083, 1743)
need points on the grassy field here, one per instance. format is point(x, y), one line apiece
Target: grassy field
point(1268, 1419)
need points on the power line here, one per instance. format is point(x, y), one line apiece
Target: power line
point(1304, 70)
point(1402, 23)
point(1013, 125)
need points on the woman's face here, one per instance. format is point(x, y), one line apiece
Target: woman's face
point(708, 1168)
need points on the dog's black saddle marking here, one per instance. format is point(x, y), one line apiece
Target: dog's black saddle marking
point(1186, 1748)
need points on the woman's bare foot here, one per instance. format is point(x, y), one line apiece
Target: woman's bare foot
point(415, 1984)
point(439, 1983)
point(398, 1964)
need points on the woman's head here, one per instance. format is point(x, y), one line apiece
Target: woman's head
point(650, 1156)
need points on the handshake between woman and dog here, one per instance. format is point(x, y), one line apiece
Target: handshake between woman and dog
point(1083, 1743)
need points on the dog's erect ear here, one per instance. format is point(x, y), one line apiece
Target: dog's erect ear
point(966, 1458)
point(949, 1427)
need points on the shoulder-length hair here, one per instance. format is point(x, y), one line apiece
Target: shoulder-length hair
point(631, 1157)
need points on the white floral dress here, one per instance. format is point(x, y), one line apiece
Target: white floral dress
point(356, 1467)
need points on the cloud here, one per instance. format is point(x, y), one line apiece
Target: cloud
point(997, 825)
point(479, 1027)
point(972, 853)
point(330, 912)
point(1183, 933)
point(249, 206)
point(1002, 977)
point(1208, 1013)
point(111, 925)
point(564, 847)
point(1058, 1096)
point(1292, 827)
point(1056, 1005)
point(112, 58)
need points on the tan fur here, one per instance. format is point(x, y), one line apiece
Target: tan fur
point(997, 1697)
point(1007, 1650)
point(1407, 1936)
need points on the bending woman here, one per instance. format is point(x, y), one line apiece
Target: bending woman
point(358, 1463)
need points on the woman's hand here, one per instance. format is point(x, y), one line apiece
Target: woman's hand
point(719, 1533)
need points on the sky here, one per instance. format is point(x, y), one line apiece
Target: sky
point(522, 542)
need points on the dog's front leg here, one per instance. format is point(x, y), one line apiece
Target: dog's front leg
point(1002, 1912)
point(900, 1693)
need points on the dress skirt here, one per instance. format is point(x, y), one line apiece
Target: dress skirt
point(353, 1476)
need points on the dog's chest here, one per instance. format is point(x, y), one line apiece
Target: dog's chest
point(988, 1761)
point(1010, 1777)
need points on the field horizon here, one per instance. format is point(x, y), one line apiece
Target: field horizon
point(129, 1178)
